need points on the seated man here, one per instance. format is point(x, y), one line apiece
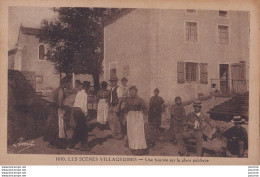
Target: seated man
point(236, 139)
point(196, 126)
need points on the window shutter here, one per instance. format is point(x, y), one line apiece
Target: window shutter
point(204, 73)
point(180, 72)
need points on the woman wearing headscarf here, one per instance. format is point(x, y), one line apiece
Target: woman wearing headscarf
point(103, 97)
point(135, 116)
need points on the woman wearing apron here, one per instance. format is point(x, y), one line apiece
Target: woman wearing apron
point(135, 117)
point(103, 96)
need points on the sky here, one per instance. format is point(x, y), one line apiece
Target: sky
point(28, 17)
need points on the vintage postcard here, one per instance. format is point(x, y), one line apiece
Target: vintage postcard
point(129, 83)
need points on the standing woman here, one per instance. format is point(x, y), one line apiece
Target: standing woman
point(135, 115)
point(155, 110)
point(56, 128)
point(103, 97)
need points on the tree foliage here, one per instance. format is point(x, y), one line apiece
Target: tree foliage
point(75, 39)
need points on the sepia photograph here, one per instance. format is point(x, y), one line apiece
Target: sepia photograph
point(136, 85)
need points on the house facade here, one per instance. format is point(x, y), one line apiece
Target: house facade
point(181, 52)
point(29, 57)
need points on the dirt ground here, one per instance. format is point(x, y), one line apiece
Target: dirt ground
point(102, 143)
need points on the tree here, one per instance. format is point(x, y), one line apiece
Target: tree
point(75, 40)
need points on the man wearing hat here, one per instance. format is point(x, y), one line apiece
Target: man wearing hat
point(196, 126)
point(114, 109)
point(236, 138)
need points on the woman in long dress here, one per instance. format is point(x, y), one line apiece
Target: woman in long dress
point(135, 116)
point(155, 110)
point(103, 96)
point(56, 123)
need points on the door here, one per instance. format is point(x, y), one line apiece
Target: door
point(238, 78)
point(223, 76)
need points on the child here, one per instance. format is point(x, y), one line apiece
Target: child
point(214, 90)
point(177, 120)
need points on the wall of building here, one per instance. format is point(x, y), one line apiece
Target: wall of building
point(172, 47)
point(30, 62)
point(127, 43)
point(157, 37)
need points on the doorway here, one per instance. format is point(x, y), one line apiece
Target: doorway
point(223, 76)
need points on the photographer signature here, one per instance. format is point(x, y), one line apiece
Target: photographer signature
point(20, 142)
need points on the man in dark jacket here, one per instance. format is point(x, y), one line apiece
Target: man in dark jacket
point(196, 126)
point(114, 109)
point(236, 138)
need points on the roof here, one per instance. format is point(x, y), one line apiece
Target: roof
point(27, 31)
point(30, 31)
point(12, 52)
point(116, 16)
point(238, 105)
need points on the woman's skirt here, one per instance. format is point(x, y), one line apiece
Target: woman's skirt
point(135, 130)
point(154, 118)
point(62, 128)
point(56, 133)
point(102, 113)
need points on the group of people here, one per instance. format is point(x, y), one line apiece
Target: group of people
point(126, 115)
point(59, 117)
point(196, 125)
point(124, 112)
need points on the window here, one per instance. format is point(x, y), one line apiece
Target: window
point(113, 70)
point(41, 52)
point(191, 11)
point(186, 72)
point(223, 35)
point(222, 13)
point(191, 32)
point(126, 71)
point(204, 73)
point(191, 71)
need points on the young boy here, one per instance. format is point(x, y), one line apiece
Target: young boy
point(177, 120)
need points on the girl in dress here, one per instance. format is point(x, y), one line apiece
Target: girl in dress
point(135, 116)
point(103, 97)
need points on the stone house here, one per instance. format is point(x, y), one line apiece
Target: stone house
point(29, 57)
point(181, 52)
